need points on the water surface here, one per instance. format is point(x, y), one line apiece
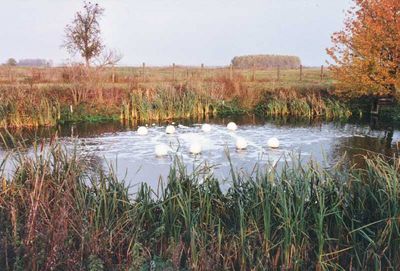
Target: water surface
point(134, 159)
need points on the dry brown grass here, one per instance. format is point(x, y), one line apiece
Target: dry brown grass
point(30, 93)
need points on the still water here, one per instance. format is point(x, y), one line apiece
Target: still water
point(133, 156)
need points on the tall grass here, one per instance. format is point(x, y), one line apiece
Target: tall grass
point(58, 212)
point(311, 105)
point(44, 97)
point(167, 103)
point(23, 108)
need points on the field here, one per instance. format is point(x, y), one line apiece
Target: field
point(286, 77)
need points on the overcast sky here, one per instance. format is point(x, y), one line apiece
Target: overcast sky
point(190, 32)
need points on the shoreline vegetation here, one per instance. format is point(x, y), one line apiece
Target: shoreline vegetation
point(58, 212)
point(50, 96)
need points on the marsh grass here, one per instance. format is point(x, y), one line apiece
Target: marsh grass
point(45, 97)
point(21, 107)
point(59, 212)
point(167, 103)
point(294, 103)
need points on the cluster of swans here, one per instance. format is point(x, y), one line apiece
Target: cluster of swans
point(195, 147)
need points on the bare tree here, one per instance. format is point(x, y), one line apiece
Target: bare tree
point(108, 58)
point(83, 35)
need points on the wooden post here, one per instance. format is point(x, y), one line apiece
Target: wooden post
point(113, 75)
point(202, 71)
point(253, 77)
point(144, 65)
point(278, 73)
point(231, 72)
point(173, 71)
point(322, 72)
point(301, 72)
point(187, 74)
point(10, 75)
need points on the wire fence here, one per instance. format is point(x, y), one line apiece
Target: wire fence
point(172, 73)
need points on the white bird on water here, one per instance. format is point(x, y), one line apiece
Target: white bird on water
point(195, 148)
point(241, 143)
point(161, 150)
point(273, 142)
point(231, 126)
point(206, 128)
point(142, 130)
point(170, 129)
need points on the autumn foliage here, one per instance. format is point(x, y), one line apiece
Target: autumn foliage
point(367, 51)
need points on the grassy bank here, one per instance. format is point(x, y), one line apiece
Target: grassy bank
point(58, 212)
point(45, 97)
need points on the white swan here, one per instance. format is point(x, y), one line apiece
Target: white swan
point(170, 129)
point(161, 150)
point(142, 130)
point(195, 148)
point(231, 126)
point(241, 143)
point(273, 142)
point(206, 128)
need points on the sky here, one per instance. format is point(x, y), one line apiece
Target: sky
point(185, 32)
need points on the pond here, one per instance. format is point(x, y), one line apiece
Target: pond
point(133, 156)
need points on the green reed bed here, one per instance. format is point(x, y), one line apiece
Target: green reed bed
point(168, 103)
point(57, 212)
point(308, 107)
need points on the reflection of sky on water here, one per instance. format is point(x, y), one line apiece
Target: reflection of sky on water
point(134, 158)
point(133, 155)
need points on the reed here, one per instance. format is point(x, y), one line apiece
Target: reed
point(310, 105)
point(74, 94)
point(24, 109)
point(57, 211)
point(167, 103)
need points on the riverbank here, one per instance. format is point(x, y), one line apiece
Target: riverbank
point(59, 212)
point(79, 95)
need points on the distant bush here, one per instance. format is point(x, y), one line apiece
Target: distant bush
point(266, 61)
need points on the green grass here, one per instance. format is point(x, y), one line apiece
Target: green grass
point(58, 212)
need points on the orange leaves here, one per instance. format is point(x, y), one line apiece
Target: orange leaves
point(367, 51)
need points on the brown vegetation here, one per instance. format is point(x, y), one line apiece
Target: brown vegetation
point(79, 93)
point(367, 51)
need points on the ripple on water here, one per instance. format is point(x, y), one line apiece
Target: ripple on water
point(136, 153)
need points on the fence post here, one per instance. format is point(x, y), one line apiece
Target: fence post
point(253, 77)
point(202, 71)
point(278, 75)
point(10, 75)
point(143, 67)
point(322, 72)
point(187, 74)
point(113, 75)
point(173, 71)
point(301, 72)
point(231, 72)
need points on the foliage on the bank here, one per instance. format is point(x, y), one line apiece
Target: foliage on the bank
point(367, 51)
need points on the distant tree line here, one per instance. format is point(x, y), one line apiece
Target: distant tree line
point(34, 62)
point(266, 61)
